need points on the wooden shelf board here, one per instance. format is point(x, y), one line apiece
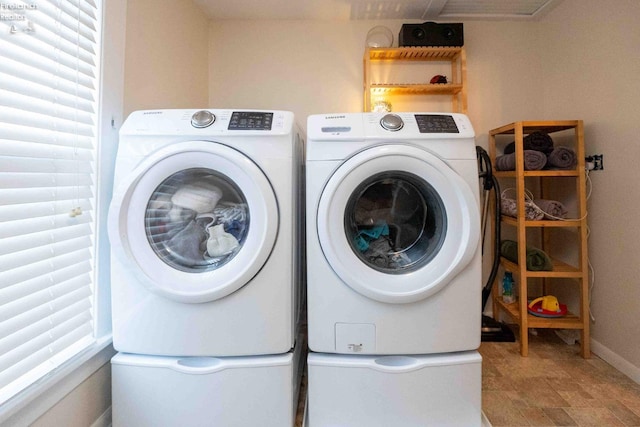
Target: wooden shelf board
point(569, 321)
point(415, 88)
point(560, 270)
point(536, 126)
point(414, 53)
point(544, 223)
point(541, 173)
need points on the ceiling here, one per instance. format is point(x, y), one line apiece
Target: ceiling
point(426, 10)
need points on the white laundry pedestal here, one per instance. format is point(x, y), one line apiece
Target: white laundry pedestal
point(157, 391)
point(380, 391)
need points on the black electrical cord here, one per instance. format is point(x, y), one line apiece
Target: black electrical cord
point(489, 183)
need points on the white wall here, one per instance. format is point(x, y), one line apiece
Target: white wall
point(313, 67)
point(166, 55)
point(83, 405)
point(576, 63)
point(303, 66)
point(591, 68)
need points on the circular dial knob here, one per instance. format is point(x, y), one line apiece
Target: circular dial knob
point(391, 122)
point(202, 119)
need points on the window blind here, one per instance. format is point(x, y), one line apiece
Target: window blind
point(48, 115)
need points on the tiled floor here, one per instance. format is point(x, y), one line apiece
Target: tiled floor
point(554, 386)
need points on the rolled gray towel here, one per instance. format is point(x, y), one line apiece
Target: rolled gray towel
point(551, 208)
point(562, 158)
point(537, 141)
point(533, 161)
point(509, 207)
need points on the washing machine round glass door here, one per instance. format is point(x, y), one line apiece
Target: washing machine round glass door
point(194, 221)
point(396, 223)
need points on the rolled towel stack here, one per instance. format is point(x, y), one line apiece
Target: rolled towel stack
point(562, 158)
point(555, 157)
point(536, 141)
point(537, 259)
point(533, 161)
point(535, 210)
point(510, 207)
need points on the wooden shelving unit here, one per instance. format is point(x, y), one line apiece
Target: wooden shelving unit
point(543, 181)
point(456, 87)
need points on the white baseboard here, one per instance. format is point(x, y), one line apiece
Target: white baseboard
point(485, 421)
point(103, 420)
point(616, 360)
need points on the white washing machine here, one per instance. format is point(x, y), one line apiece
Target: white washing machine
point(393, 234)
point(205, 233)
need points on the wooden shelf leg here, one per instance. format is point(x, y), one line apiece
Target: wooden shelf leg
point(524, 333)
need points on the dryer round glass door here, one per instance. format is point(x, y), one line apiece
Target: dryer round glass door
point(396, 223)
point(194, 221)
point(197, 220)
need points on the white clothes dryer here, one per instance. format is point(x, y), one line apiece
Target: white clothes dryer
point(205, 233)
point(393, 234)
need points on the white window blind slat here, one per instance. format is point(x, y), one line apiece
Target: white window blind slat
point(41, 209)
point(23, 290)
point(68, 12)
point(38, 150)
point(43, 253)
point(50, 19)
point(73, 35)
point(16, 307)
point(26, 242)
point(42, 268)
point(48, 362)
point(91, 3)
point(81, 11)
point(40, 179)
point(12, 98)
point(24, 166)
point(12, 196)
point(17, 76)
point(82, 48)
point(44, 51)
point(57, 341)
point(37, 135)
point(25, 330)
point(49, 80)
point(41, 121)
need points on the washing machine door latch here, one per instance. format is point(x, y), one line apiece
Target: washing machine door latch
point(391, 122)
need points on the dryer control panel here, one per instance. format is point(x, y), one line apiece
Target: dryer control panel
point(389, 126)
point(436, 123)
point(240, 120)
point(250, 120)
point(427, 123)
point(209, 122)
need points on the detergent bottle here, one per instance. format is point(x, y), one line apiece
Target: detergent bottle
point(507, 288)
